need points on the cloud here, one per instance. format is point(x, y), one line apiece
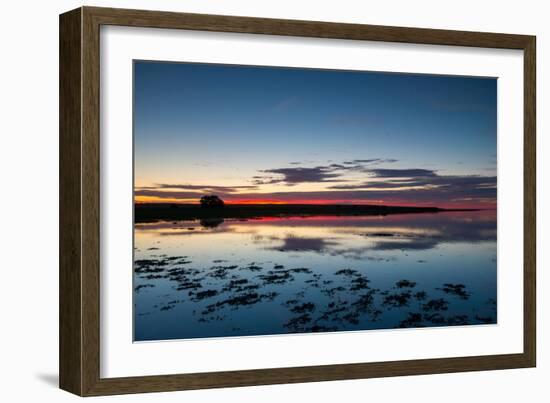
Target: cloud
point(321, 173)
point(402, 173)
point(371, 161)
point(412, 186)
point(417, 183)
point(285, 104)
point(292, 176)
point(168, 195)
point(377, 185)
point(203, 188)
point(440, 197)
point(186, 191)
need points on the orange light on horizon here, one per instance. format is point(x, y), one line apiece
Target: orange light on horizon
point(474, 204)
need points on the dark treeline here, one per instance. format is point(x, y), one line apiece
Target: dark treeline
point(153, 212)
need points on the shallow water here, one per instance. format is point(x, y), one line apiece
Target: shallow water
point(220, 278)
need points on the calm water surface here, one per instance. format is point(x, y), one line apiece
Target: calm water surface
point(221, 278)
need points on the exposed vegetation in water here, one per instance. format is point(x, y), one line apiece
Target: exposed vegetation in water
point(352, 300)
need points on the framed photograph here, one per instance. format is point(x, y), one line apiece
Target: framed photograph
point(250, 201)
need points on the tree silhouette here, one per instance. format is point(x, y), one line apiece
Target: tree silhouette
point(211, 201)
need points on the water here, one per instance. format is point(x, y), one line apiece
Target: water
point(265, 276)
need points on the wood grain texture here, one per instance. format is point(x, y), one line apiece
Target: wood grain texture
point(530, 202)
point(304, 374)
point(80, 201)
point(90, 202)
point(70, 273)
point(221, 23)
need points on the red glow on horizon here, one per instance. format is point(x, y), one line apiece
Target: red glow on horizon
point(258, 201)
point(473, 204)
point(490, 205)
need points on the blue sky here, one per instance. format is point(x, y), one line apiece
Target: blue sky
point(202, 126)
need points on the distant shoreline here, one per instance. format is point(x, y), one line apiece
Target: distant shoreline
point(173, 212)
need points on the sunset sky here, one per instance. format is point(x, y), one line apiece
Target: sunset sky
point(281, 135)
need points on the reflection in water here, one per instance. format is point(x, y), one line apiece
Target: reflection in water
point(313, 274)
point(296, 243)
point(211, 222)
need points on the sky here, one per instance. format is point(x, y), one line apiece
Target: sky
point(285, 135)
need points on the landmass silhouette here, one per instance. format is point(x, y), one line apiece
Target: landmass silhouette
point(148, 212)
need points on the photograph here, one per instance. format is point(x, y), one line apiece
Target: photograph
point(276, 200)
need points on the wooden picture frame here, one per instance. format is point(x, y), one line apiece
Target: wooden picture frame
point(79, 348)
